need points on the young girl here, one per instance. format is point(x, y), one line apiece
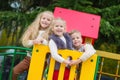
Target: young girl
point(87, 48)
point(59, 39)
point(35, 34)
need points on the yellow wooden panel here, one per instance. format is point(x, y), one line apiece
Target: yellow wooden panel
point(38, 61)
point(72, 73)
point(110, 55)
point(51, 69)
point(74, 55)
point(88, 68)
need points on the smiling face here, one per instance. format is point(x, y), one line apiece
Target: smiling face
point(77, 39)
point(45, 20)
point(58, 27)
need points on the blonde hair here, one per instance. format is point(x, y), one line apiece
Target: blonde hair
point(75, 31)
point(33, 29)
point(53, 23)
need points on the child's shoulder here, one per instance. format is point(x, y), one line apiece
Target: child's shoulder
point(88, 46)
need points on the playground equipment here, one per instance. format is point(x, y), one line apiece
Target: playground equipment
point(89, 32)
point(10, 56)
point(38, 61)
point(88, 25)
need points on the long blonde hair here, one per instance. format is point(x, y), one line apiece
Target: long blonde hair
point(33, 29)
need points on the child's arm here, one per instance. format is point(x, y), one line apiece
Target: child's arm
point(40, 38)
point(54, 53)
point(89, 51)
point(40, 41)
point(66, 62)
point(28, 43)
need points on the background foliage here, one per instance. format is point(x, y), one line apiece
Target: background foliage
point(16, 15)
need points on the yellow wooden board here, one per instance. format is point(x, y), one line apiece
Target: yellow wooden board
point(88, 68)
point(38, 60)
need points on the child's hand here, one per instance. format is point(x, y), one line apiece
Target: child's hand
point(35, 42)
point(38, 41)
point(67, 62)
point(75, 62)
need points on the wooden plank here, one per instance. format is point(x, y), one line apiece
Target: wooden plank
point(38, 60)
point(110, 55)
point(89, 68)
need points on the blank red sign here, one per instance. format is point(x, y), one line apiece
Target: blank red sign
point(87, 24)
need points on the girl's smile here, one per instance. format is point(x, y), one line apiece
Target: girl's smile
point(45, 20)
point(59, 28)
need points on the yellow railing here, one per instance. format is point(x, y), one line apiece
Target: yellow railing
point(115, 58)
point(87, 67)
point(37, 65)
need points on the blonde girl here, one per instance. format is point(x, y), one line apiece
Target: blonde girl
point(59, 39)
point(34, 34)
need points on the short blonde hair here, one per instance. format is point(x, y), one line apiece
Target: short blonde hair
point(53, 23)
point(75, 31)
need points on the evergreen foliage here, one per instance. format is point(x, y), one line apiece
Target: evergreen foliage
point(15, 20)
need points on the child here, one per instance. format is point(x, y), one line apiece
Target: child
point(59, 39)
point(87, 48)
point(35, 34)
